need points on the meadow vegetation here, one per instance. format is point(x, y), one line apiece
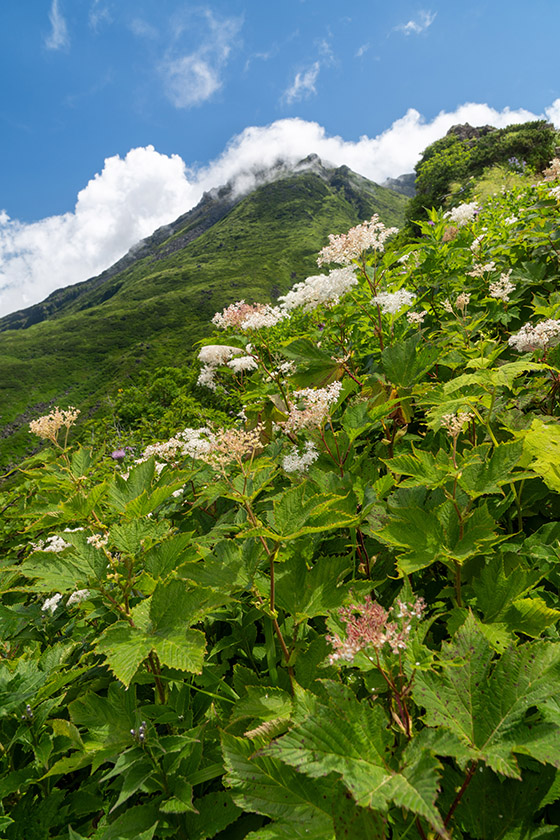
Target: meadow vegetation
point(327, 608)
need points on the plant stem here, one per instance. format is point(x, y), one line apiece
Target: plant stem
point(460, 793)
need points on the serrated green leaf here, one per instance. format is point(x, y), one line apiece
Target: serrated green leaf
point(182, 650)
point(350, 739)
point(484, 702)
point(419, 532)
point(306, 593)
point(405, 362)
point(299, 511)
point(126, 648)
point(484, 477)
point(422, 468)
point(266, 786)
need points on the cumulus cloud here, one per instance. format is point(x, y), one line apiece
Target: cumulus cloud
point(118, 207)
point(303, 85)
point(362, 50)
point(58, 38)
point(191, 78)
point(134, 195)
point(415, 27)
point(553, 113)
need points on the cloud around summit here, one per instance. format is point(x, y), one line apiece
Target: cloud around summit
point(145, 189)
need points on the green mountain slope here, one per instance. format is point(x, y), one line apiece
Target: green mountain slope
point(86, 341)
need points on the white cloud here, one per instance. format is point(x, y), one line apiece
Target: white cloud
point(362, 50)
point(303, 85)
point(133, 196)
point(142, 29)
point(191, 78)
point(425, 19)
point(125, 203)
point(553, 113)
point(99, 13)
point(58, 37)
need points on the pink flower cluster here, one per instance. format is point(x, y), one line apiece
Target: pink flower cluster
point(368, 626)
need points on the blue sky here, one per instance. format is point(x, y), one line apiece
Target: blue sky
point(116, 114)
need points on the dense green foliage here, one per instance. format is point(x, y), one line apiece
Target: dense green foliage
point(462, 156)
point(100, 337)
point(336, 618)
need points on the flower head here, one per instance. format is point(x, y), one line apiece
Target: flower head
point(349, 246)
point(368, 626)
point(48, 426)
point(540, 337)
point(51, 604)
point(463, 214)
point(392, 302)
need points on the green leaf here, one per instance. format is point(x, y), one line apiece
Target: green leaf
point(484, 702)
point(422, 468)
point(481, 477)
point(263, 703)
point(216, 811)
point(264, 785)
point(299, 511)
point(405, 362)
point(182, 650)
point(542, 442)
point(351, 821)
point(133, 779)
point(351, 740)
point(530, 616)
point(126, 648)
point(306, 593)
point(419, 532)
point(137, 823)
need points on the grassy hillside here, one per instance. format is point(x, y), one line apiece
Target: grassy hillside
point(99, 335)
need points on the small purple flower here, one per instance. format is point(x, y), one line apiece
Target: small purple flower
point(118, 455)
point(433, 224)
point(320, 326)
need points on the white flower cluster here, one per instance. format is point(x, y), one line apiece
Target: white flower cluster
point(477, 243)
point(294, 462)
point(511, 220)
point(454, 423)
point(555, 193)
point(479, 270)
point(246, 316)
point(315, 407)
point(321, 288)
point(462, 301)
point(217, 354)
point(349, 246)
point(540, 337)
point(463, 214)
point(53, 543)
point(49, 425)
point(98, 540)
point(503, 287)
point(212, 356)
point(51, 604)
point(240, 364)
point(392, 302)
point(416, 317)
point(77, 597)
